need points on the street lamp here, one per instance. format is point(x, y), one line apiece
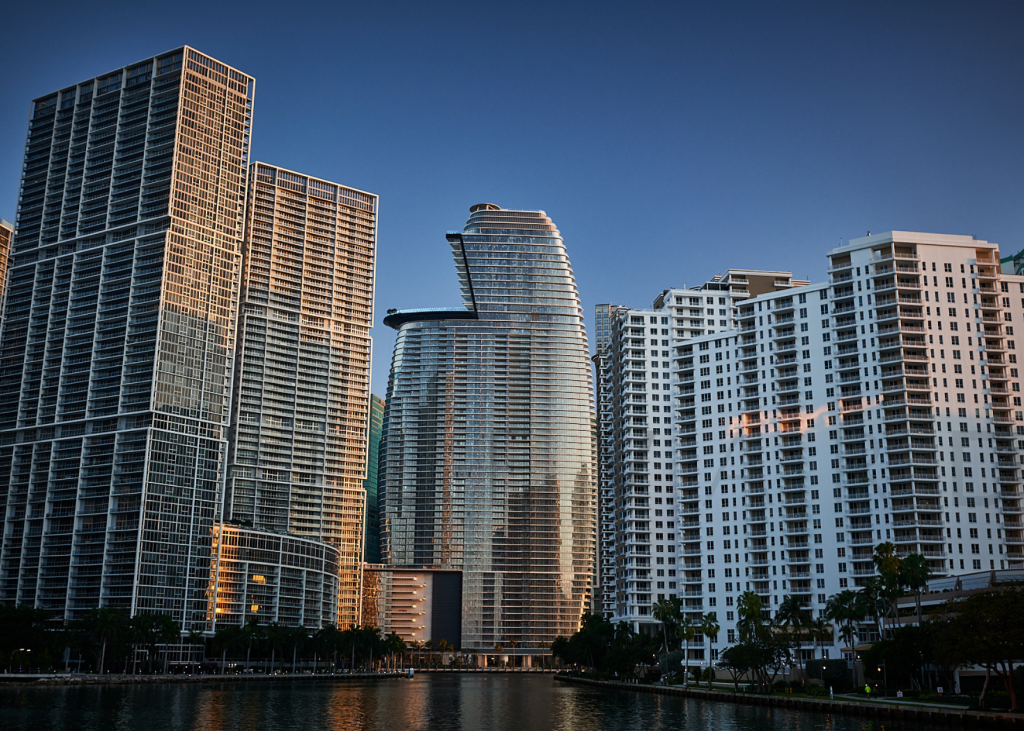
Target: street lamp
point(23, 649)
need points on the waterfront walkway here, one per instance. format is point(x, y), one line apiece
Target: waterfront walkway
point(232, 676)
point(913, 711)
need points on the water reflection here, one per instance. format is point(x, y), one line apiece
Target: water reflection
point(434, 703)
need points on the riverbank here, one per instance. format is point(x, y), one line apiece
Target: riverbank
point(875, 709)
point(118, 679)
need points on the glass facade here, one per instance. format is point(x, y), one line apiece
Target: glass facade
point(273, 578)
point(118, 338)
point(300, 424)
point(488, 459)
point(371, 549)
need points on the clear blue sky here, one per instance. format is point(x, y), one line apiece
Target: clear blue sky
point(668, 141)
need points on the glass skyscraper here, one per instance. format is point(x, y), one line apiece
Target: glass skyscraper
point(487, 462)
point(118, 338)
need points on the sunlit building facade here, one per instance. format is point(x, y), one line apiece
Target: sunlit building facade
point(272, 577)
point(419, 605)
point(6, 239)
point(303, 370)
point(118, 338)
point(487, 462)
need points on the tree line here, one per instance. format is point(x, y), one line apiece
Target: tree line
point(34, 640)
point(980, 630)
point(110, 640)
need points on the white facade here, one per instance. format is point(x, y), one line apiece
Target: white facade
point(640, 527)
point(883, 405)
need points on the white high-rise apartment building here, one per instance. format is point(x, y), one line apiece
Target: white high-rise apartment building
point(883, 405)
point(638, 520)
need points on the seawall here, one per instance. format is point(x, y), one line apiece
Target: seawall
point(880, 710)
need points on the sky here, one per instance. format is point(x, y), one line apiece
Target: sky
point(667, 141)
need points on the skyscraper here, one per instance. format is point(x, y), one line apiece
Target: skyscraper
point(118, 339)
point(604, 575)
point(487, 461)
point(303, 371)
point(879, 407)
point(639, 521)
point(371, 543)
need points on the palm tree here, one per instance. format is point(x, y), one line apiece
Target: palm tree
point(275, 638)
point(915, 571)
point(819, 628)
point(751, 616)
point(888, 563)
point(195, 638)
point(513, 644)
point(371, 640)
point(106, 625)
point(686, 631)
point(792, 616)
point(886, 559)
point(394, 644)
point(298, 637)
point(873, 602)
point(252, 634)
point(154, 630)
point(498, 649)
point(709, 627)
point(846, 608)
point(666, 611)
point(228, 638)
point(322, 641)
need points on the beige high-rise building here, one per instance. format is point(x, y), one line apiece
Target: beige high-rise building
point(302, 377)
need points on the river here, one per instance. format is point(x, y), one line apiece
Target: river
point(425, 703)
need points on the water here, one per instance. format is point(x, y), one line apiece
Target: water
point(428, 702)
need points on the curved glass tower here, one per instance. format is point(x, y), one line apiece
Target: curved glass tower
point(487, 462)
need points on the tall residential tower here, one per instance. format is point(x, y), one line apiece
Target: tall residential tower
point(639, 519)
point(118, 338)
point(303, 372)
point(487, 463)
point(882, 406)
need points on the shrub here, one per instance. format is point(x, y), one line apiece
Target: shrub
point(817, 691)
